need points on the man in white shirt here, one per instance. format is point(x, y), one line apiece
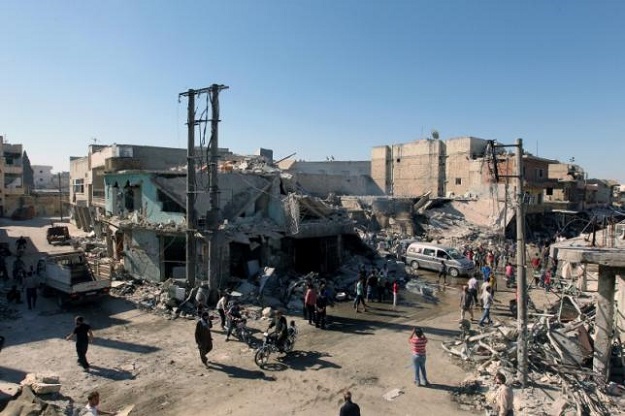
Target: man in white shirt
point(487, 299)
point(472, 283)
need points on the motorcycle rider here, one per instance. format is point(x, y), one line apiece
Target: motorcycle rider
point(281, 331)
point(233, 316)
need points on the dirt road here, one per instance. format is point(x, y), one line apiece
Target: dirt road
point(143, 359)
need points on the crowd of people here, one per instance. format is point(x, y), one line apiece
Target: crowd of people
point(24, 280)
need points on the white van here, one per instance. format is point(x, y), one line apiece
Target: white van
point(421, 255)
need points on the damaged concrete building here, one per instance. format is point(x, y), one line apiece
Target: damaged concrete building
point(136, 198)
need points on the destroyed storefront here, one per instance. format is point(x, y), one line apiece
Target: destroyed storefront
point(309, 238)
point(263, 225)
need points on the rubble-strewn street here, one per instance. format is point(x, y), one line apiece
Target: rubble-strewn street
point(144, 359)
point(140, 358)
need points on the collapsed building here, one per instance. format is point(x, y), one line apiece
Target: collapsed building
point(267, 221)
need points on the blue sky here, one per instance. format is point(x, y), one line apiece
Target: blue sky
point(320, 78)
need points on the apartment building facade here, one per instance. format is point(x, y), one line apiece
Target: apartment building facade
point(11, 176)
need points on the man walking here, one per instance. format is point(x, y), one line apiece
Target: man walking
point(395, 293)
point(203, 337)
point(30, 284)
point(84, 336)
point(222, 305)
point(310, 300)
point(321, 304)
point(417, 341)
point(466, 303)
point(349, 408)
point(472, 283)
point(443, 273)
point(487, 298)
point(360, 293)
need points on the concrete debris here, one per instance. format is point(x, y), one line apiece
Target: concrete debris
point(41, 383)
point(393, 394)
point(27, 404)
point(558, 354)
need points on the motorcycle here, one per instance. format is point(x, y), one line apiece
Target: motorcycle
point(261, 357)
point(241, 331)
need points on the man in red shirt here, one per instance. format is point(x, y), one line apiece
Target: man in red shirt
point(417, 342)
point(310, 300)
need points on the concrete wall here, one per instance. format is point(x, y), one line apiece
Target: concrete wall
point(160, 158)
point(461, 176)
point(381, 168)
point(418, 167)
point(146, 200)
point(335, 167)
point(565, 172)
point(142, 254)
point(322, 184)
point(49, 204)
point(442, 167)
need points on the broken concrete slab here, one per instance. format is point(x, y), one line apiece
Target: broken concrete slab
point(393, 394)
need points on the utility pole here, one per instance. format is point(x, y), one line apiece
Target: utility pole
point(191, 222)
point(60, 197)
point(213, 219)
point(520, 258)
point(214, 216)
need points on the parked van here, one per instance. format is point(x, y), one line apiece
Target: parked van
point(421, 255)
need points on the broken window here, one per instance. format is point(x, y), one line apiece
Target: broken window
point(549, 191)
point(168, 204)
point(79, 186)
point(458, 181)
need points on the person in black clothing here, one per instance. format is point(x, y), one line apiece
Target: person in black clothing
point(320, 309)
point(349, 408)
point(84, 336)
point(282, 331)
point(443, 273)
point(233, 316)
point(203, 337)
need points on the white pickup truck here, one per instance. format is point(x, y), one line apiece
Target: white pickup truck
point(69, 276)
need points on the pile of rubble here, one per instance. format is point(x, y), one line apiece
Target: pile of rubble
point(560, 352)
point(174, 299)
point(164, 298)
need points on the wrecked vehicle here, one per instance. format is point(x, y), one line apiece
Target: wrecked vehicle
point(58, 235)
point(69, 277)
